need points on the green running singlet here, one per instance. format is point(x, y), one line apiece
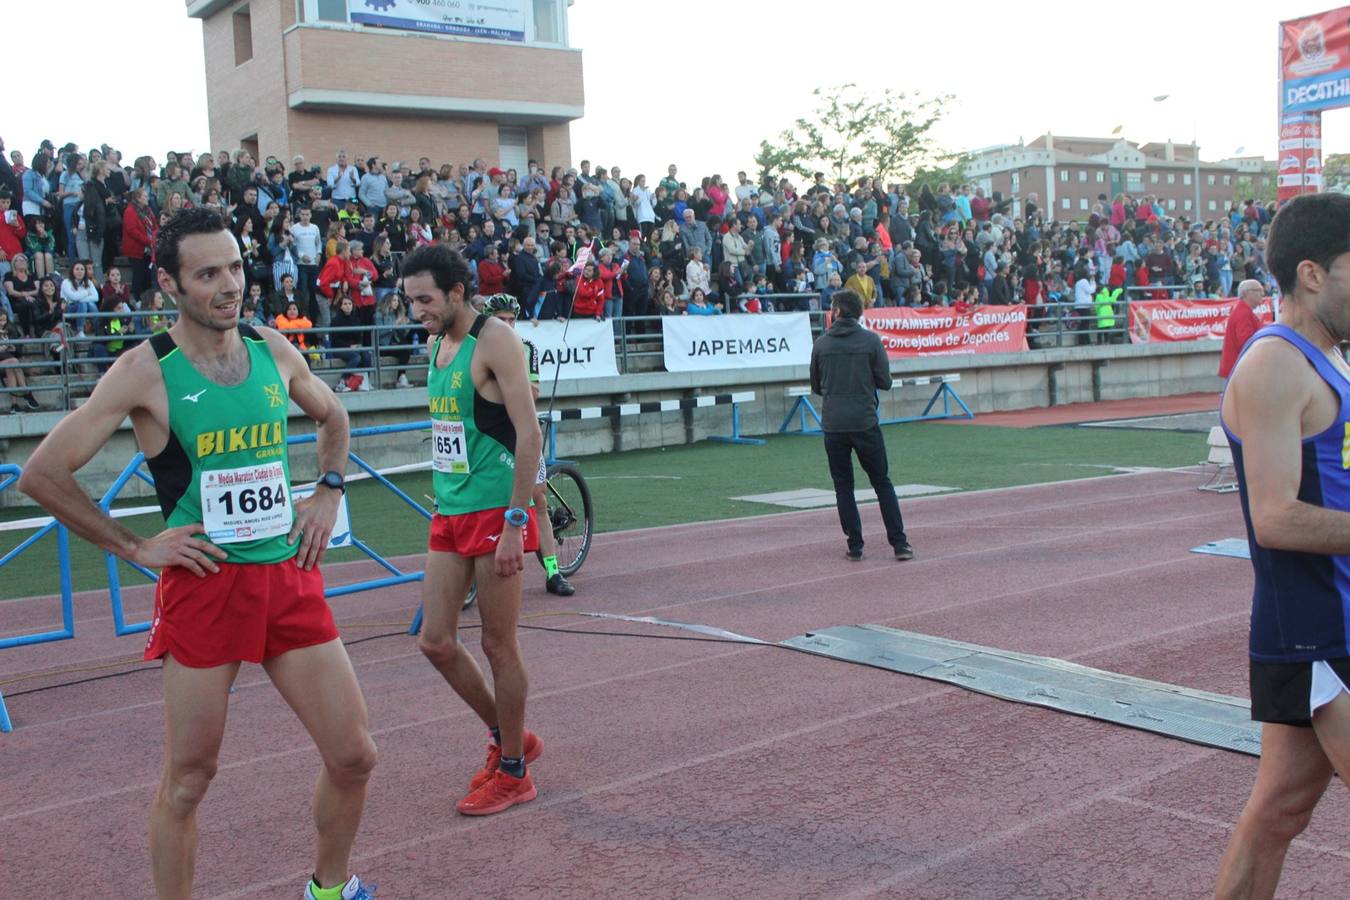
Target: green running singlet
point(225, 464)
point(473, 443)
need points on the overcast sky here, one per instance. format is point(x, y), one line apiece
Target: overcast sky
point(702, 82)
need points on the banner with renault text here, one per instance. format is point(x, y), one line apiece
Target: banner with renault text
point(1169, 321)
point(941, 330)
point(698, 343)
point(583, 348)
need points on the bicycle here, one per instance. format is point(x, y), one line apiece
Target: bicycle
point(570, 515)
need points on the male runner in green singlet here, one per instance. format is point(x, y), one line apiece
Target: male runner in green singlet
point(208, 401)
point(506, 308)
point(485, 455)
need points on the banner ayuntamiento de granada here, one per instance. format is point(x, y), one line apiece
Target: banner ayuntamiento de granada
point(937, 330)
point(1166, 321)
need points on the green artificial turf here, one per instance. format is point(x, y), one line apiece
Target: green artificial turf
point(643, 488)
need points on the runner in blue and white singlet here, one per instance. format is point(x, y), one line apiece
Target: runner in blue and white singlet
point(1286, 411)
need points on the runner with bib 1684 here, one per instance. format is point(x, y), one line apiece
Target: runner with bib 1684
point(208, 401)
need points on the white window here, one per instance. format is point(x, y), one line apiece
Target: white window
point(1016, 182)
point(1101, 176)
point(1063, 174)
point(1186, 179)
point(1082, 203)
point(513, 148)
point(1211, 203)
point(1227, 180)
point(1171, 177)
point(324, 10)
point(1082, 175)
point(1211, 179)
point(243, 36)
point(546, 29)
point(1153, 177)
point(1188, 205)
point(1064, 204)
point(1171, 204)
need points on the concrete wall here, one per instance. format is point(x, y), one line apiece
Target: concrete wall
point(989, 383)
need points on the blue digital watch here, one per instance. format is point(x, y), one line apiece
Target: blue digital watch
point(517, 517)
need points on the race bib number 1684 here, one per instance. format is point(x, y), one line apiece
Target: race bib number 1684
point(246, 504)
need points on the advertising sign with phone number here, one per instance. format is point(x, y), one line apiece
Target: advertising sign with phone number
point(501, 20)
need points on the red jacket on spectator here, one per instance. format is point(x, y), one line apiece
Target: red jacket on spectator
point(11, 236)
point(1031, 291)
point(491, 277)
point(590, 299)
point(883, 237)
point(356, 268)
point(335, 270)
point(138, 233)
point(719, 198)
point(1117, 277)
point(609, 277)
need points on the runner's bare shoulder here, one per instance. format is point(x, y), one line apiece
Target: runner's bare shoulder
point(133, 383)
point(1272, 379)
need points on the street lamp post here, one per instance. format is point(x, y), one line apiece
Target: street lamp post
point(1195, 159)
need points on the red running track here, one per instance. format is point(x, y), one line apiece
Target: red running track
point(674, 769)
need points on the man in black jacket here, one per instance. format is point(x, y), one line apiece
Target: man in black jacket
point(1000, 292)
point(848, 367)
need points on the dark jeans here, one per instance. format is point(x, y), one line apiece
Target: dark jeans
point(304, 287)
point(871, 449)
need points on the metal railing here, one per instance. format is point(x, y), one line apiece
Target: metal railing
point(59, 378)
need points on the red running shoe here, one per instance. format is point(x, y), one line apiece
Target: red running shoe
point(534, 748)
point(501, 792)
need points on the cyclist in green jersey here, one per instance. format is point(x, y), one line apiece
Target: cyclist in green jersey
point(485, 454)
point(506, 308)
point(208, 402)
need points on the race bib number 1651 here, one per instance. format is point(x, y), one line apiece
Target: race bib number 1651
point(449, 452)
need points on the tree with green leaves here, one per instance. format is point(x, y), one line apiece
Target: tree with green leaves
point(850, 134)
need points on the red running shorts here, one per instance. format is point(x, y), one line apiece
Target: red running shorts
point(246, 612)
point(476, 533)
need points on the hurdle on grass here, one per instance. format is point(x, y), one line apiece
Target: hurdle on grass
point(9, 475)
point(552, 417)
point(802, 406)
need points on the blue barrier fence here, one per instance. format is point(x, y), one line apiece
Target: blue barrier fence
point(9, 476)
point(134, 469)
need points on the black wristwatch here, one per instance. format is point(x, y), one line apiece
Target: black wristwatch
point(334, 480)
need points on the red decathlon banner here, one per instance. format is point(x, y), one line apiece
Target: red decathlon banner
point(1168, 321)
point(923, 331)
point(1315, 62)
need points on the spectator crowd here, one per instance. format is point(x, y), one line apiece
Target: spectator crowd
point(321, 244)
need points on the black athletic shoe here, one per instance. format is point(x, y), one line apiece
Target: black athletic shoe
point(853, 555)
point(904, 552)
point(560, 586)
point(31, 401)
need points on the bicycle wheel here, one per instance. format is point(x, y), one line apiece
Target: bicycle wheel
point(570, 515)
